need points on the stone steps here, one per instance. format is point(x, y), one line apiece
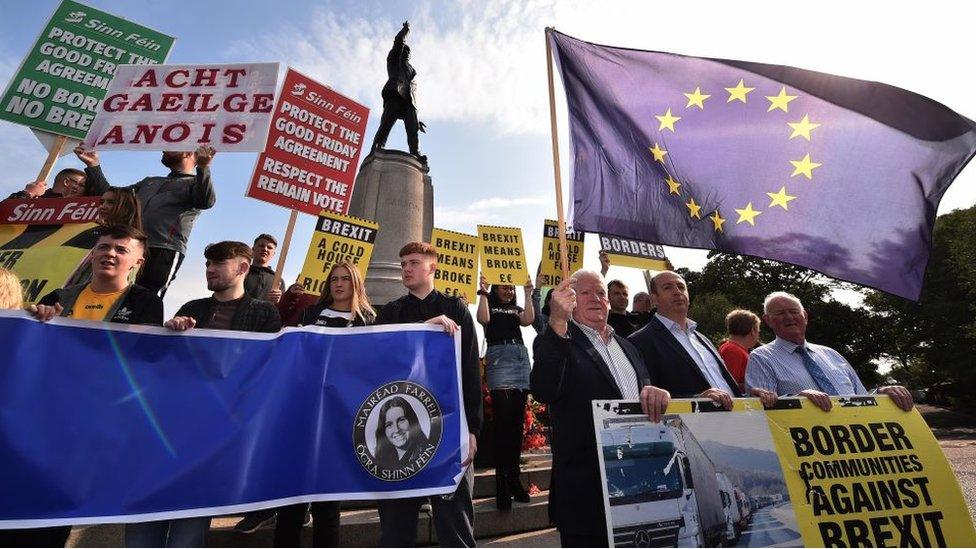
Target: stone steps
point(360, 520)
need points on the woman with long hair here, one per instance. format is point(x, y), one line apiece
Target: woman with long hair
point(11, 292)
point(118, 206)
point(399, 438)
point(343, 303)
point(507, 370)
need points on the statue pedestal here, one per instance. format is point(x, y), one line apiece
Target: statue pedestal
point(393, 189)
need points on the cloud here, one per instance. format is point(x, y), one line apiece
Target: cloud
point(476, 62)
point(22, 154)
point(495, 210)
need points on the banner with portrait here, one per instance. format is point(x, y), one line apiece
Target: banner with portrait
point(162, 425)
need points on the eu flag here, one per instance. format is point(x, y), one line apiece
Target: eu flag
point(839, 175)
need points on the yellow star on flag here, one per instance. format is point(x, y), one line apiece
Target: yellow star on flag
point(673, 185)
point(804, 166)
point(658, 153)
point(667, 121)
point(697, 99)
point(747, 214)
point(738, 92)
point(780, 199)
point(694, 210)
point(718, 221)
point(781, 101)
point(802, 128)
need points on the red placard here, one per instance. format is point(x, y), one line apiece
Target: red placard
point(309, 162)
point(49, 211)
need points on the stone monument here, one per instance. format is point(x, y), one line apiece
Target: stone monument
point(393, 188)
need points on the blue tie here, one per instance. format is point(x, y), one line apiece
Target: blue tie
point(816, 372)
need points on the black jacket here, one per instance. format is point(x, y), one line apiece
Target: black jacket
point(252, 315)
point(257, 283)
point(568, 374)
point(137, 306)
point(402, 311)
point(669, 364)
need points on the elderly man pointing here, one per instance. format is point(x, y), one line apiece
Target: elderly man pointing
point(578, 359)
point(791, 365)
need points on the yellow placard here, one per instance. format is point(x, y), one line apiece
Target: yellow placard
point(457, 263)
point(337, 238)
point(867, 474)
point(626, 252)
point(552, 270)
point(44, 256)
point(502, 255)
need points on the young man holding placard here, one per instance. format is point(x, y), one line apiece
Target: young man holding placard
point(170, 206)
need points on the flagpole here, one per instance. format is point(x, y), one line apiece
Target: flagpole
point(52, 157)
point(283, 255)
point(560, 219)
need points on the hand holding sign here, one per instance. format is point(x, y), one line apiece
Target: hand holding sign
point(562, 304)
point(88, 157)
point(204, 155)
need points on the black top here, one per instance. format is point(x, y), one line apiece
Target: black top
point(621, 323)
point(257, 283)
point(410, 308)
point(252, 315)
point(504, 324)
point(639, 320)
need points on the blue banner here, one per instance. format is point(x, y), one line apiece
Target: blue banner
point(110, 423)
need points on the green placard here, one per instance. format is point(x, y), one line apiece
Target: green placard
point(65, 75)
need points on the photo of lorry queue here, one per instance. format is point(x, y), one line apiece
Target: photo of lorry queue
point(692, 481)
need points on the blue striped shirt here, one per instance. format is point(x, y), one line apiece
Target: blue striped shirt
point(776, 367)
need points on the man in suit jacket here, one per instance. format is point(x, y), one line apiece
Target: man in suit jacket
point(578, 359)
point(679, 358)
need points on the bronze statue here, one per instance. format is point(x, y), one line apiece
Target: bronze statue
point(399, 96)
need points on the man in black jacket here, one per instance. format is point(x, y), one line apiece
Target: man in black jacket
point(578, 359)
point(229, 308)
point(679, 358)
point(453, 514)
point(69, 182)
point(170, 206)
point(109, 296)
point(261, 276)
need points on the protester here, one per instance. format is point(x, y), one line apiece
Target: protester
point(109, 296)
point(743, 329)
point(11, 292)
point(69, 182)
point(507, 370)
point(791, 365)
point(261, 276)
point(643, 310)
point(453, 514)
point(170, 206)
point(343, 303)
point(293, 304)
point(229, 308)
point(578, 359)
point(117, 207)
point(678, 357)
point(619, 318)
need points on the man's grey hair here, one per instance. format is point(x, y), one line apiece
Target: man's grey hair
point(777, 295)
point(584, 273)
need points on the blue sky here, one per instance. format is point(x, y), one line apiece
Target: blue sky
point(482, 87)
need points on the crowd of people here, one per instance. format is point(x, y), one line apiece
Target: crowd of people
point(588, 347)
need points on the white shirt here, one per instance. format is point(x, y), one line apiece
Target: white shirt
point(698, 351)
point(620, 367)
